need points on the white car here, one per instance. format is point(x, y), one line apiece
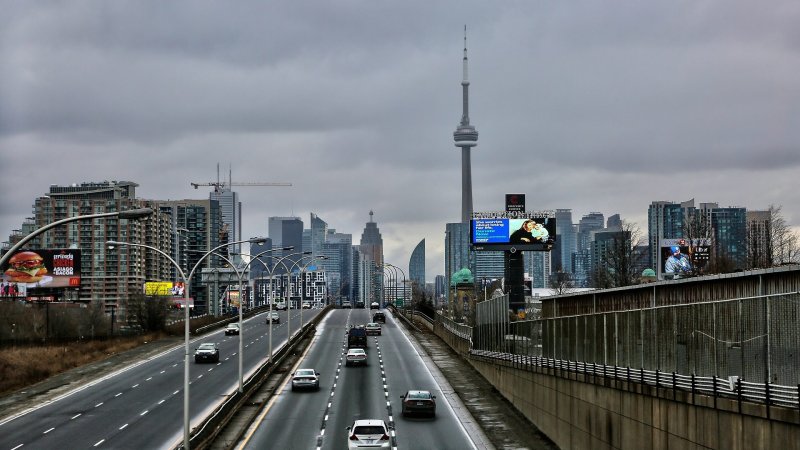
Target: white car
point(280, 306)
point(371, 433)
point(305, 379)
point(306, 305)
point(273, 317)
point(231, 329)
point(374, 305)
point(355, 356)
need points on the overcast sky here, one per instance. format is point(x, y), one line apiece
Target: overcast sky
point(588, 105)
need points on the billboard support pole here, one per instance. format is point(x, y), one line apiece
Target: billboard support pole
point(516, 280)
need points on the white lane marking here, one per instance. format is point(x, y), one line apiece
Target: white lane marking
point(118, 395)
point(75, 416)
point(162, 401)
point(98, 405)
point(175, 365)
point(162, 371)
point(135, 386)
point(51, 429)
point(209, 370)
point(123, 427)
point(15, 448)
point(149, 379)
point(99, 442)
point(176, 392)
point(200, 376)
point(144, 412)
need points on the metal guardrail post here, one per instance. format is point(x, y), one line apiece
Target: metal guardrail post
point(768, 399)
point(692, 388)
point(674, 386)
point(714, 380)
point(739, 393)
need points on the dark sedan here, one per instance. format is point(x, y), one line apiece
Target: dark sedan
point(419, 402)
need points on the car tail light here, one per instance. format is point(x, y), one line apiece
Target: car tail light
point(353, 437)
point(385, 437)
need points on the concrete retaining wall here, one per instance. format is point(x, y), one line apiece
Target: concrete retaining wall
point(578, 411)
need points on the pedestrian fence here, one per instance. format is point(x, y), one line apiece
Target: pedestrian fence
point(745, 347)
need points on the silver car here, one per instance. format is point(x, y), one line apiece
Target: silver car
point(305, 379)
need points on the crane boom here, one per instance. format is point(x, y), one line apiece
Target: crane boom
point(222, 184)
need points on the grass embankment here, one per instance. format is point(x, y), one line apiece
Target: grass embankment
point(24, 366)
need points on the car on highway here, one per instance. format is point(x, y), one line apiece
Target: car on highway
point(379, 317)
point(373, 329)
point(232, 329)
point(305, 379)
point(374, 305)
point(273, 317)
point(346, 305)
point(359, 304)
point(280, 306)
point(368, 433)
point(355, 357)
point(306, 305)
point(207, 351)
point(418, 402)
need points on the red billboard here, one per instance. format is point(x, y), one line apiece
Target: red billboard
point(44, 268)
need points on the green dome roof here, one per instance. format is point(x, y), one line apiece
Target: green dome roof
point(648, 273)
point(462, 276)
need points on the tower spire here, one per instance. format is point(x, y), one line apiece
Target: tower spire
point(465, 137)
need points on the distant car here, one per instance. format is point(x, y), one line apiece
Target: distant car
point(371, 433)
point(306, 305)
point(347, 305)
point(273, 317)
point(305, 379)
point(359, 304)
point(379, 317)
point(280, 306)
point(373, 329)
point(231, 329)
point(419, 402)
point(355, 356)
point(207, 351)
point(374, 305)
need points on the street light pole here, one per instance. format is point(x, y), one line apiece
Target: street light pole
point(186, 318)
point(127, 214)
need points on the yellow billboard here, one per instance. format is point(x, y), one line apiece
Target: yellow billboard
point(158, 288)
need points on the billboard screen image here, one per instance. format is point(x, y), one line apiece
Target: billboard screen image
point(501, 233)
point(44, 268)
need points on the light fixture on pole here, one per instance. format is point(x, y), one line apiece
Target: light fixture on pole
point(186, 279)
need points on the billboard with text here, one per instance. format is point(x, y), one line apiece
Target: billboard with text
point(42, 268)
point(523, 230)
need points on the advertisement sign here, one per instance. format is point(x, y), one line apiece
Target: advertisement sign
point(531, 231)
point(681, 258)
point(11, 289)
point(515, 202)
point(44, 268)
point(164, 288)
point(180, 303)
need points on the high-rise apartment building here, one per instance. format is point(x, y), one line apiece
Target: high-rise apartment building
point(759, 250)
point(231, 212)
point(338, 249)
point(286, 232)
point(108, 276)
point(567, 242)
point(456, 248)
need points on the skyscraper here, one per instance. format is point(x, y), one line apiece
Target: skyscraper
point(286, 232)
point(371, 264)
point(231, 209)
point(465, 137)
point(416, 265)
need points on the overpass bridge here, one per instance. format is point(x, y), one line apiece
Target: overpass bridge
point(707, 362)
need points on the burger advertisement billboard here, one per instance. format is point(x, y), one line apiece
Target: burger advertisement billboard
point(44, 268)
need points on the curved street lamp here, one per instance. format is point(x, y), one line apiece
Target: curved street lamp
point(127, 214)
point(302, 279)
point(186, 317)
point(390, 274)
point(288, 309)
point(404, 285)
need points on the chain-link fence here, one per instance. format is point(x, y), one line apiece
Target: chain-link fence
point(755, 338)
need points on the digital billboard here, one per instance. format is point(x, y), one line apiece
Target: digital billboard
point(524, 231)
point(681, 258)
point(12, 289)
point(44, 268)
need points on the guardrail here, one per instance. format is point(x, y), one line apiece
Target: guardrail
point(733, 387)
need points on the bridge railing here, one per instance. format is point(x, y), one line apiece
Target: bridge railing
point(733, 387)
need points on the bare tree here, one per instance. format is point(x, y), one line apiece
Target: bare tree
point(619, 262)
point(561, 283)
point(147, 313)
point(783, 245)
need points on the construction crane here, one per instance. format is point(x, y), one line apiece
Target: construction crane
point(219, 185)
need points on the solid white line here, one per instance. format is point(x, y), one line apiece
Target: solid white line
point(99, 442)
point(51, 429)
point(123, 427)
point(75, 416)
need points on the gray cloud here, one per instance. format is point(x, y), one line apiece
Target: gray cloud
point(585, 105)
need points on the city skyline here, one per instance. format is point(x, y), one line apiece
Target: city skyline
point(579, 107)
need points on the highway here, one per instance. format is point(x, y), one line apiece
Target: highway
point(318, 419)
point(141, 406)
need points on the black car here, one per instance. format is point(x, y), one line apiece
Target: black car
point(207, 351)
point(419, 402)
point(379, 317)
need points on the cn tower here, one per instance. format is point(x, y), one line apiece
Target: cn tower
point(465, 137)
